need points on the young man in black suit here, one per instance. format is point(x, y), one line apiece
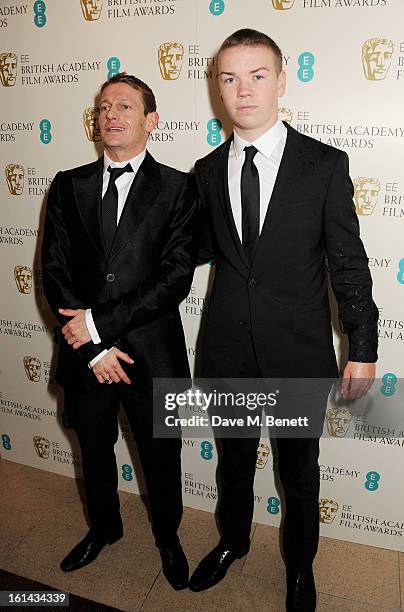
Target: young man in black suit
point(118, 257)
point(277, 204)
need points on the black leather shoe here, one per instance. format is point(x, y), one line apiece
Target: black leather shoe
point(301, 594)
point(212, 569)
point(175, 566)
point(86, 551)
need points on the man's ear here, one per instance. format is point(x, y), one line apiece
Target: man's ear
point(152, 120)
point(281, 83)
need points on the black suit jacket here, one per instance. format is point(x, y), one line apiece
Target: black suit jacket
point(282, 299)
point(134, 291)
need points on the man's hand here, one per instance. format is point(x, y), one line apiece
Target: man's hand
point(108, 369)
point(75, 331)
point(357, 379)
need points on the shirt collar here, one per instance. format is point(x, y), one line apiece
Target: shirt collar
point(134, 162)
point(265, 143)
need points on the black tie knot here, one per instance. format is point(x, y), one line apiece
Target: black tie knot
point(117, 172)
point(250, 153)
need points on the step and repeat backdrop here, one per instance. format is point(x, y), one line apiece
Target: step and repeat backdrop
point(344, 61)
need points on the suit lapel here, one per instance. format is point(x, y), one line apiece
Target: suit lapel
point(142, 195)
point(289, 174)
point(229, 238)
point(88, 193)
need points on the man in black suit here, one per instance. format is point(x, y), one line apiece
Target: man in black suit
point(118, 257)
point(277, 204)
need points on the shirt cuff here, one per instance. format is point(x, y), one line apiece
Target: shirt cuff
point(99, 357)
point(92, 330)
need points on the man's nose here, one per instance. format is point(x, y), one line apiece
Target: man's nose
point(112, 112)
point(243, 89)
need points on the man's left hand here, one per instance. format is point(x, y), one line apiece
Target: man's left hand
point(357, 379)
point(75, 331)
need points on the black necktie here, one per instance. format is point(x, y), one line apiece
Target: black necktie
point(109, 209)
point(250, 203)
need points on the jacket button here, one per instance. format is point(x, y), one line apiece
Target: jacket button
point(110, 278)
point(252, 282)
point(242, 322)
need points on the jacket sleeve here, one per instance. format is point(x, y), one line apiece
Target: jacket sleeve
point(348, 263)
point(55, 255)
point(169, 286)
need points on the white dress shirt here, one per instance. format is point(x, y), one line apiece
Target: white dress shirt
point(123, 184)
point(270, 148)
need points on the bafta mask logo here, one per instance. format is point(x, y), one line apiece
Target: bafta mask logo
point(170, 57)
point(285, 114)
point(283, 5)
point(23, 279)
point(15, 178)
point(338, 421)
point(8, 69)
point(262, 456)
point(32, 367)
point(366, 194)
point(376, 58)
point(91, 9)
point(90, 120)
point(42, 446)
point(328, 510)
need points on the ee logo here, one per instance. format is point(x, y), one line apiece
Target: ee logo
point(372, 481)
point(45, 135)
point(214, 136)
point(400, 273)
point(6, 441)
point(114, 66)
point(127, 472)
point(206, 450)
point(273, 506)
point(388, 387)
point(305, 72)
point(39, 13)
point(216, 7)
